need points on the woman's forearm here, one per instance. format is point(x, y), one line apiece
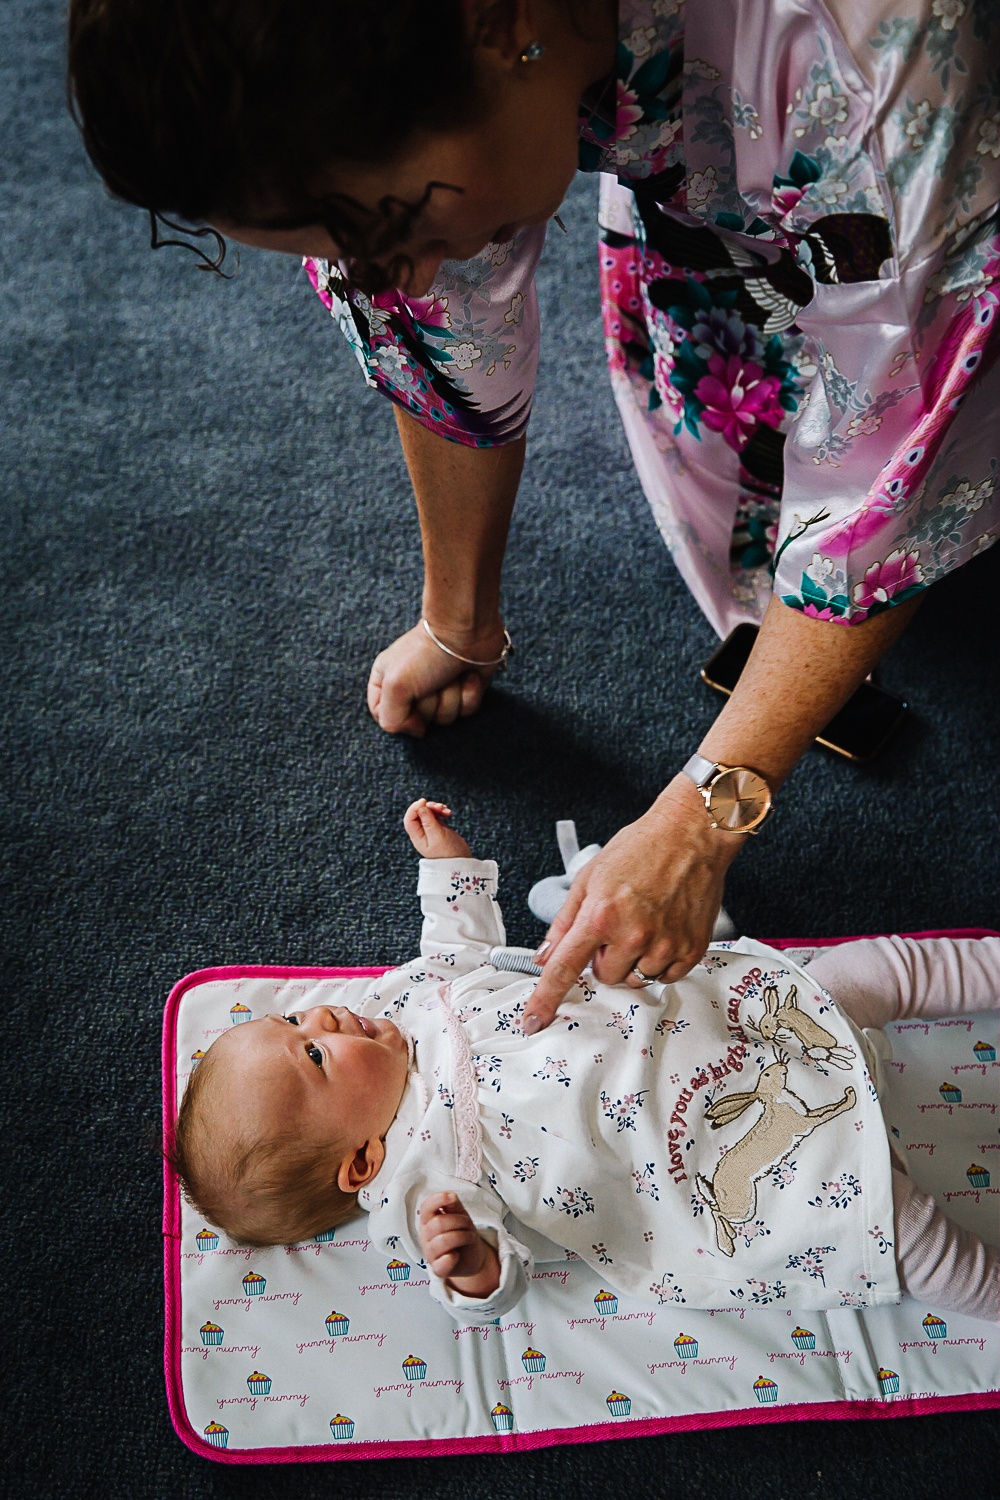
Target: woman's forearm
point(465, 497)
point(464, 500)
point(800, 673)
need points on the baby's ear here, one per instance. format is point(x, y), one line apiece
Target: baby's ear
point(358, 1169)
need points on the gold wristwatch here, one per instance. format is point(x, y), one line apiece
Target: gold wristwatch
point(736, 799)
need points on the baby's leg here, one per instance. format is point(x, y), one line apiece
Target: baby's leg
point(940, 1263)
point(885, 979)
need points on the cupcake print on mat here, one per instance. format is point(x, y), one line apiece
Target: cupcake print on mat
point(619, 1405)
point(207, 1239)
point(503, 1418)
point(337, 1324)
point(217, 1435)
point(533, 1359)
point(803, 1339)
point(978, 1175)
point(342, 1427)
point(240, 1013)
point(196, 1058)
point(414, 1368)
point(888, 1382)
point(258, 1384)
point(984, 1052)
point(398, 1270)
point(253, 1284)
point(950, 1094)
point(935, 1328)
point(765, 1390)
point(211, 1333)
point(686, 1346)
point(325, 1237)
point(606, 1302)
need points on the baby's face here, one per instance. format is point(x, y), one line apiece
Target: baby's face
point(324, 1073)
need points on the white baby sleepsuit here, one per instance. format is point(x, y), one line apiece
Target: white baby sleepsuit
point(723, 1142)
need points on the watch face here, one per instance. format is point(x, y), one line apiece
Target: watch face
point(739, 799)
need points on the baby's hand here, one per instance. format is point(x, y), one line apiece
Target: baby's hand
point(454, 1249)
point(428, 834)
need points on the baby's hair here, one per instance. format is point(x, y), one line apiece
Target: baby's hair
point(235, 108)
point(268, 1190)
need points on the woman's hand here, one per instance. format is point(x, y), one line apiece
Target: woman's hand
point(424, 822)
point(454, 1249)
point(648, 901)
point(414, 683)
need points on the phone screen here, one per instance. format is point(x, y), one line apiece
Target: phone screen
point(858, 731)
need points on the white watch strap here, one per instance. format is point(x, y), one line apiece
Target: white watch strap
point(699, 769)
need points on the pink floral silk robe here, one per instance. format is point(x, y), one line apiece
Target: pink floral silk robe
point(799, 245)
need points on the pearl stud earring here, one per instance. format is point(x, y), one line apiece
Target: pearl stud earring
point(532, 52)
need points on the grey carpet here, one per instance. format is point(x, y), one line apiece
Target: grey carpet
point(207, 533)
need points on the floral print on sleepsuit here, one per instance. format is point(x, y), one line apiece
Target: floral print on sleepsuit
point(799, 251)
point(663, 1141)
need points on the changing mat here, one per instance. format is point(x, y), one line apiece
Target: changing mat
point(323, 1350)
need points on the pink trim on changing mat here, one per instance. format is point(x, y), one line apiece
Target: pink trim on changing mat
point(599, 1432)
point(514, 1442)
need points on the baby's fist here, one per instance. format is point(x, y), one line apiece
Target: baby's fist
point(454, 1249)
point(430, 837)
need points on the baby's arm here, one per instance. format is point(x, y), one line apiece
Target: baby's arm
point(455, 1250)
point(402, 1223)
point(429, 835)
point(880, 980)
point(462, 920)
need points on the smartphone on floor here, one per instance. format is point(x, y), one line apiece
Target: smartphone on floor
point(861, 728)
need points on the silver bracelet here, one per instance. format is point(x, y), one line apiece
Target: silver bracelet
point(500, 661)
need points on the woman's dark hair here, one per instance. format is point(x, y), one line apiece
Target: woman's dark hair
point(236, 108)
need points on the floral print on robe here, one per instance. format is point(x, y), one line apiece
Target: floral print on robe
point(799, 250)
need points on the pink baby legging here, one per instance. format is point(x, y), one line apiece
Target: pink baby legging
point(880, 980)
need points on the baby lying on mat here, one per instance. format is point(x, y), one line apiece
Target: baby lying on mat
point(710, 1140)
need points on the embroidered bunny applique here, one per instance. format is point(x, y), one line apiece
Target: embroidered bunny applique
point(785, 1120)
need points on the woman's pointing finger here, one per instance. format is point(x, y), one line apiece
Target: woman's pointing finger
point(563, 967)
